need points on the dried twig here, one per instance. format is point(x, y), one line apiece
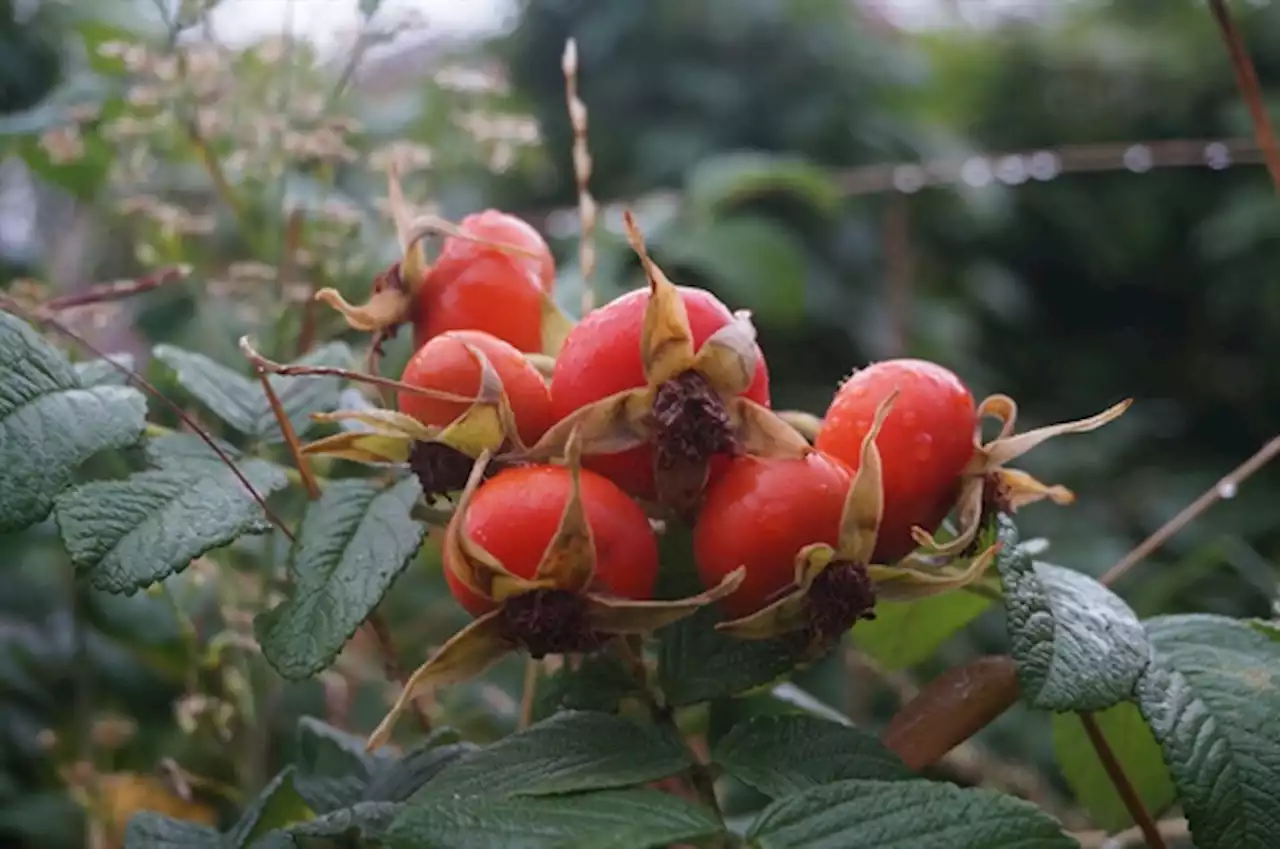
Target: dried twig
point(1124, 787)
point(116, 291)
point(532, 668)
point(1225, 488)
point(391, 663)
point(587, 209)
point(1171, 829)
point(1250, 89)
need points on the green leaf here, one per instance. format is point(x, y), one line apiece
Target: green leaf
point(782, 755)
point(1078, 646)
point(628, 819)
point(354, 541)
point(569, 752)
point(756, 263)
point(333, 767)
point(127, 534)
point(1136, 749)
point(278, 805)
point(240, 401)
point(697, 663)
point(49, 424)
point(1212, 699)
point(149, 830)
point(731, 178)
point(400, 780)
point(904, 634)
point(364, 821)
point(600, 682)
point(909, 814)
point(100, 372)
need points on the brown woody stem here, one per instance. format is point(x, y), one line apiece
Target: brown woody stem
point(114, 291)
point(1247, 81)
point(1132, 801)
point(381, 634)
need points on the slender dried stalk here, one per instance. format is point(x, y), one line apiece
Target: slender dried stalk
point(530, 691)
point(1124, 787)
point(588, 212)
point(377, 628)
point(114, 291)
point(1247, 81)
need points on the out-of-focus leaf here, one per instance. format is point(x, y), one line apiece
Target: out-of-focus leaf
point(50, 424)
point(101, 373)
point(904, 634)
point(398, 781)
point(148, 830)
point(277, 805)
point(731, 178)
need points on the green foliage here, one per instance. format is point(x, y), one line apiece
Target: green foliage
point(904, 634)
point(1077, 644)
point(50, 423)
point(156, 831)
point(862, 814)
point(352, 544)
point(1212, 701)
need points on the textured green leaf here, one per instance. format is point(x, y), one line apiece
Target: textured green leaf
point(124, 535)
point(149, 830)
point(732, 178)
point(918, 814)
point(333, 767)
point(697, 663)
point(600, 682)
point(101, 373)
point(50, 424)
point(1212, 699)
point(239, 400)
point(398, 781)
point(627, 819)
point(756, 263)
point(569, 752)
point(1136, 749)
point(354, 541)
point(1078, 646)
point(278, 805)
point(364, 821)
point(782, 755)
point(904, 634)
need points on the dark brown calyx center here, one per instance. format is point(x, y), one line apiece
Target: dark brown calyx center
point(442, 469)
point(841, 595)
point(548, 622)
point(690, 422)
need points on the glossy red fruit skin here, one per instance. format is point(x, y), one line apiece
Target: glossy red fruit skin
point(926, 441)
point(514, 516)
point(601, 357)
point(759, 513)
point(491, 292)
point(444, 364)
point(504, 228)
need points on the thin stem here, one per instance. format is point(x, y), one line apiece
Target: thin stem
point(1247, 81)
point(308, 477)
point(1132, 801)
point(114, 291)
point(582, 166)
point(529, 692)
point(146, 386)
point(391, 664)
point(1225, 488)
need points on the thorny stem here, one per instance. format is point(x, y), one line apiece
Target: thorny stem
point(146, 386)
point(1132, 801)
point(1247, 81)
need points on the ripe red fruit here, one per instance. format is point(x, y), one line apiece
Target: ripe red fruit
point(927, 440)
point(474, 286)
point(602, 356)
point(445, 364)
point(502, 228)
point(514, 517)
point(759, 514)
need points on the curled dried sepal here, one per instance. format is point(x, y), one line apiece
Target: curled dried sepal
point(806, 424)
point(986, 485)
point(913, 578)
point(690, 408)
point(825, 605)
point(467, 654)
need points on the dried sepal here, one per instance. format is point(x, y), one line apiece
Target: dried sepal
point(611, 424)
point(763, 433)
point(626, 616)
point(911, 579)
point(362, 447)
point(666, 341)
point(987, 484)
point(729, 357)
point(385, 309)
point(467, 654)
point(864, 506)
point(569, 561)
point(413, 262)
point(806, 424)
point(556, 327)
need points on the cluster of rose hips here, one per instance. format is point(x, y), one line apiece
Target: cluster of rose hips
point(569, 447)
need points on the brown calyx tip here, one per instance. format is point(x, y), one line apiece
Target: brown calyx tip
point(548, 621)
point(690, 422)
point(443, 469)
point(840, 595)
